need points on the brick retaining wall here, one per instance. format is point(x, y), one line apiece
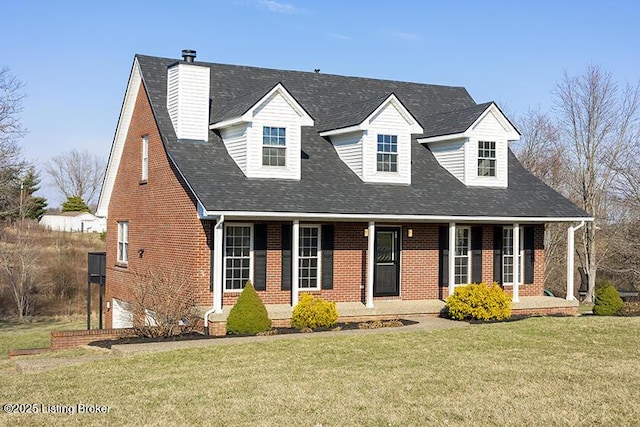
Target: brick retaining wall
point(66, 340)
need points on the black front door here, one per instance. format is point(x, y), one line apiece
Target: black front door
point(386, 280)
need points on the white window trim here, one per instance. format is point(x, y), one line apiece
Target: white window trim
point(467, 256)
point(319, 256)
point(145, 158)
point(521, 256)
point(495, 159)
point(397, 171)
point(280, 147)
point(123, 238)
point(224, 251)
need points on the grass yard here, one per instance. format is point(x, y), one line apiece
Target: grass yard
point(539, 371)
point(36, 333)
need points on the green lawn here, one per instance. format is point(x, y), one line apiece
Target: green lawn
point(35, 333)
point(539, 371)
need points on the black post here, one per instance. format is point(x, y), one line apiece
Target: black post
point(89, 305)
point(101, 302)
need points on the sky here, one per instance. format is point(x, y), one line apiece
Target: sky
point(75, 56)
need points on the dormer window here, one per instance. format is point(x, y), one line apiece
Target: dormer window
point(486, 158)
point(274, 144)
point(387, 153)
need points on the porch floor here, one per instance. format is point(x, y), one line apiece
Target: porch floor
point(388, 308)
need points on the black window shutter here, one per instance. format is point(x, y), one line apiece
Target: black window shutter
point(327, 256)
point(286, 257)
point(443, 251)
point(528, 254)
point(497, 254)
point(260, 257)
point(476, 254)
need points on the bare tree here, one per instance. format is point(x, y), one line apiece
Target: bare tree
point(597, 121)
point(77, 173)
point(541, 153)
point(11, 130)
point(19, 255)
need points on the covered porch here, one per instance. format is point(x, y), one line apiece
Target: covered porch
point(280, 314)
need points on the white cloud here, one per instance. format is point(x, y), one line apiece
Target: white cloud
point(274, 6)
point(338, 36)
point(404, 36)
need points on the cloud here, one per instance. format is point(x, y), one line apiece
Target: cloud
point(274, 6)
point(404, 36)
point(338, 36)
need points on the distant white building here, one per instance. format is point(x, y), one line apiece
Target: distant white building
point(83, 222)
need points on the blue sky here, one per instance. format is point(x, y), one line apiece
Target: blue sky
point(75, 56)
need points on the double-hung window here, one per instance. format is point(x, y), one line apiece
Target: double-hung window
point(462, 271)
point(274, 146)
point(309, 257)
point(123, 242)
point(145, 158)
point(486, 158)
point(508, 255)
point(387, 160)
point(237, 257)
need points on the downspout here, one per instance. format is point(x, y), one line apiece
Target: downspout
point(570, 259)
point(216, 267)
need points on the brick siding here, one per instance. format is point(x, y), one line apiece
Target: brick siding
point(162, 216)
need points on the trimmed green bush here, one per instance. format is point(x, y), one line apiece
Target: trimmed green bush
point(249, 315)
point(608, 301)
point(479, 302)
point(312, 312)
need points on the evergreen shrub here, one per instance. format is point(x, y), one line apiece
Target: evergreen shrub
point(608, 301)
point(249, 315)
point(314, 312)
point(479, 302)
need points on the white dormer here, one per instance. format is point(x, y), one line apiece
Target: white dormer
point(377, 148)
point(477, 153)
point(265, 139)
point(188, 99)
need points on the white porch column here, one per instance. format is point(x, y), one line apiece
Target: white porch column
point(218, 232)
point(371, 261)
point(452, 257)
point(570, 260)
point(295, 263)
point(516, 263)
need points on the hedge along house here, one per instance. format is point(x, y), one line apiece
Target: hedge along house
point(355, 189)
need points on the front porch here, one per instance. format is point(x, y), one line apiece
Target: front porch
point(280, 314)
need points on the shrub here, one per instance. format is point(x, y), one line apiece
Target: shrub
point(163, 304)
point(630, 309)
point(313, 313)
point(480, 302)
point(249, 315)
point(608, 301)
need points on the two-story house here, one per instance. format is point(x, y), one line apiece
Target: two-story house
point(355, 189)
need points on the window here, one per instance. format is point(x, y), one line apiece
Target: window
point(237, 257)
point(387, 153)
point(309, 257)
point(123, 241)
point(274, 143)
point(507, 255)
point(145, 158)
point(486, 158)
point(462, 272)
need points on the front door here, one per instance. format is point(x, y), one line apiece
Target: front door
point(386, 280)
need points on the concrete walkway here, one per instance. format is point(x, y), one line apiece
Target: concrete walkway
point(424, 323)
point(34, 364)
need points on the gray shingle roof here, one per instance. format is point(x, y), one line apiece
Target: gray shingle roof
point(327, 185)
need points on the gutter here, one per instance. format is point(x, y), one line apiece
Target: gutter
point(213, 308)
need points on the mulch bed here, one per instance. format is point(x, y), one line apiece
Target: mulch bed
point(277, 331)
